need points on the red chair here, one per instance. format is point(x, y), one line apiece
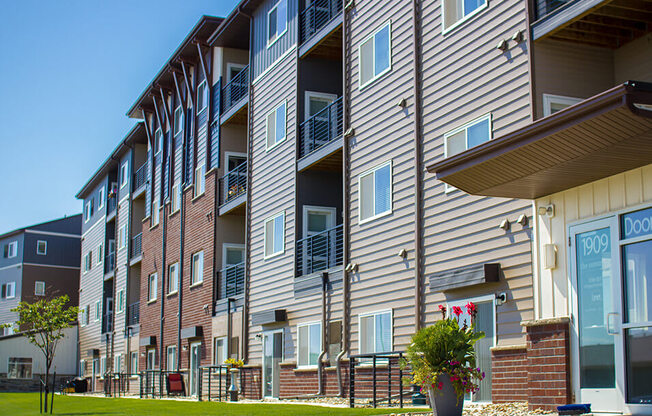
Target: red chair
point(175, 384)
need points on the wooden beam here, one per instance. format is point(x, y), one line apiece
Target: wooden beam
point(580, 37)
point(187, 80)
point(202, 63)
point(638, 28)
point(636, 16)
point(597, 29)
point(166, 107)
point(176, 86)
point(161, 125)
point(148, 132)
point(637, 5)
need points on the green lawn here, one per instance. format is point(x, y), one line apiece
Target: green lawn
point(28, 403)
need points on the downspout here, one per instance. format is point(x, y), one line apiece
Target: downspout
point(320, 364)
point(418, 170)
point(129, 244)
point(529, 9)
point(345, 211)
point(163, 266)
point(182, 220)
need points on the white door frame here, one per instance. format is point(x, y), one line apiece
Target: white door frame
point(271, 333)
point(192, 375)
point(316, 94)
point(226, 246)
point(230, 65)
point(227, 155)
point(316, 208)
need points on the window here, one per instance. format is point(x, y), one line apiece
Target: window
point(275, 235)
point(456, 11)
point(9, 290)
point(151, 287)
point(122, 237)
point(117, 363)
point(176, 197)
point(375, 188)
point(88, 261)
point(39, 288)
point(88, 210)
point(375, 332)
point(82, 368)
point(124, 174)
point(158, 140)
point(197, 268)
point(375, 55)
point(101, 369)
point(120, 307)
point(276, 125)
point(85, 315)
point(41, 247)
point(219, 350)
point(172, 358)
point(151, 359)
point(134, 363)
point(469, 135)
point(101, 197)
point(277, 22)
point(100, 253)
point(155, 213)
point(7, 331)
point(202, 96)
point(200, 180)
point(178, 121)
point(232, 254)
point(98, 310)
point(554, 103)
point(19, 368)
point(173, 278)
point(309, 340)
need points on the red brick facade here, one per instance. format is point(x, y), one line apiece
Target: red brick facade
point(509, 374)
point(251, 382)
point(300, 382)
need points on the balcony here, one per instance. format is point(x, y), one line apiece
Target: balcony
point(233, 189)
point(317, 21)
point(111, 207)
point(232, 281)
point(139, 181)
point(133, 314)
point(319, 252)
point(321, 135)
point(109, 263)
point(107, 323)
point(136, 248)
point(234, 95)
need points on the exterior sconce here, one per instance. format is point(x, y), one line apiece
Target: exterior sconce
point(505, 224)
point(549, 256)
point(349, 132)
point(402, 103)
point(501, 298)
point(259, 337)
point(403, 253)
point(184, 348)
point(518, 37)
point(522, 220)
point(547, 210)
point(349, 5)
point(351, 267)
point(502, 45)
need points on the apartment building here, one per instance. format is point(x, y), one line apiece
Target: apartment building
point(111, 255)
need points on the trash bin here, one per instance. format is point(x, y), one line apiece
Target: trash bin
point(80, 384)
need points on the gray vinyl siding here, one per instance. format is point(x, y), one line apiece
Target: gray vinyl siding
point(97, 213)
point(122, 265)
point(20, 239)
point(465, 77)
point(264, 57)
point(148, 190)
point(123, 191)
point(61, 250)
point(272, 191)
point(10, 274)
point(66, 225)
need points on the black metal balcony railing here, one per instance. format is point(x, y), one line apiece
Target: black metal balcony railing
point(321, 128)
point(133, 314)
point(545, 7)
point(320, 251)
point(111, 205)
point(109, 263)
point(232, 280)
point(140, 177)
point(237, 88)
point(107, 323)
point(136, 245)
point(233, 184)
point(316, 16)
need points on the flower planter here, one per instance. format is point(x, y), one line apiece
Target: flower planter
point(444, 401)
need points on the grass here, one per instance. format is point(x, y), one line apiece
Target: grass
point(28, 403)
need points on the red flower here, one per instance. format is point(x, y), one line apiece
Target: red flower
point(440, 385)
point(471, 309)
point(442, 309)
point(457, 310)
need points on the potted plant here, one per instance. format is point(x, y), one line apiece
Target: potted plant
point(234, 366)
point(441, 359)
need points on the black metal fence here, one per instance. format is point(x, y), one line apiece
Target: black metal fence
point(232, 280)
point(319, 251)
point(376, 379)
point(321, 129)
point(235, 90)
point(545, 7)
point(111, 205)
point(214, 383)
point(153, 383)
point(233, 184)
point(140, 177)
point(316, 16)
point(121, 384)
point(136, 245)
point(133, 314)
point(109, 263)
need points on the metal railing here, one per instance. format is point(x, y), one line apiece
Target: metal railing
point(214, 382)
point(376, 378)
point(109, 263)
point(320, 251)
point(235, 90)
point(316, 16)
point(233, 184)
point(321, 129)
point(107, 323)
point(140, 177)
point(546, 7)
point(133, 314)
point(111, 205)
point(153, 383)
point(232, 281)
point(120, 384)
point(137, 245)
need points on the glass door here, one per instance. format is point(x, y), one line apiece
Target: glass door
point(319, 245)
point(195, 351)
point(320, 129)
point(272, 357)
point(596, 331)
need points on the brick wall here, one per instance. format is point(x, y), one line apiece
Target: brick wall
point(509, 374)
point(301, 382)
point(150, 313)
point(548, 364)
point(251, 382)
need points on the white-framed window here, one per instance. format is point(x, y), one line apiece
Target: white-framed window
point(88, 261)
point(178, 120)
point(88, 210)
point(82, 368)
point(41, 247)
point(172, 358)
point(375, 55)
point(232, 254)
point(277, 22)
point(134, 363)
point(122, 237)
point(202, 96)
point(152, 282)
point(156, 213)
point(176, 197)
point(10, 250)
point(469, 135)
point(100, 253)
point(375, 332)
point(85, 315)
point(200, 180)
point(151, 359)
point(19, 368)
point(275, 235)
point(7, 331)
point(457, 11)
point(233, 69)
point(158, 140)
point(275, 125)
point(173, 278)
point(101, 369)
point(124, 174)
point(117, 363)
point(375, 192)
point(101, 197)
point(39, 288)
point(197, 268)
point(120, 306)
point(554, 103)
point(9, 290)
point(98, 310)
point(219, 350)
point(309, 342)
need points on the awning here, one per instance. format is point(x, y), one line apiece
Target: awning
point(601, 136)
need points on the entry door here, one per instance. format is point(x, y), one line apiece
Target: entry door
point(319, 132)
point(236, 179)
point(96, 369)
point(318, 247)
point(272, 357)
point(597, 331)
point(195, 351)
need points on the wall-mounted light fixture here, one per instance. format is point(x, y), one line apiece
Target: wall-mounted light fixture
point(549, 256)
point(349, 132)
point(403, 253)
point(547, 210)
point(259, 337)
point(505, 224)
point(502, 45)
point(351, 267)
point(501, 298)
point(402, 103)
point(522, 219)
point(518, 36)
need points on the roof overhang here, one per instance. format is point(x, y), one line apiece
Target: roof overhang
point(234, 30)
point(599, 137)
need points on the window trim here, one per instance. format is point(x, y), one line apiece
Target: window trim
point(167, 357)
point(285, 135)
point(13, 290)
point(200, 178)
point(287, 23)
point(207, 97)
point(228, 155)
point(391, 335)
point(151, 299)
point(155, 214)
point(124, 174)
point(36, 286)
point(229, 66)
point(45, 251)
point(176, 288)
point(268, 219)
point(158, 146)
point(13, 244)
point(175, 203)
point(100, 254)
point(477, 299)
point(98, 308)
point(122, 235)
point(391, 192)
point(315, 94)
point(447, 30)
point(180, 125)
point(376, 77)
point(321, 331)
point(120, 298)
point(31, 371)
point(549, 99)
point(87, 211)
point(101, 197)
point(192, 269)
point(225, 341)
point(227, 246)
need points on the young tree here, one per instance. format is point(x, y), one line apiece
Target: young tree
point(43, 323)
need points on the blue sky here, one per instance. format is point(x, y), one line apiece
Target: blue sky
point(70, 69)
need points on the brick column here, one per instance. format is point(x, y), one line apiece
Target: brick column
point(548, 363)
point(509, 374)
point(251, 382)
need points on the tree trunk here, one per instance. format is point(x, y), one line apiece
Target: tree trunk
point(47, 383)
